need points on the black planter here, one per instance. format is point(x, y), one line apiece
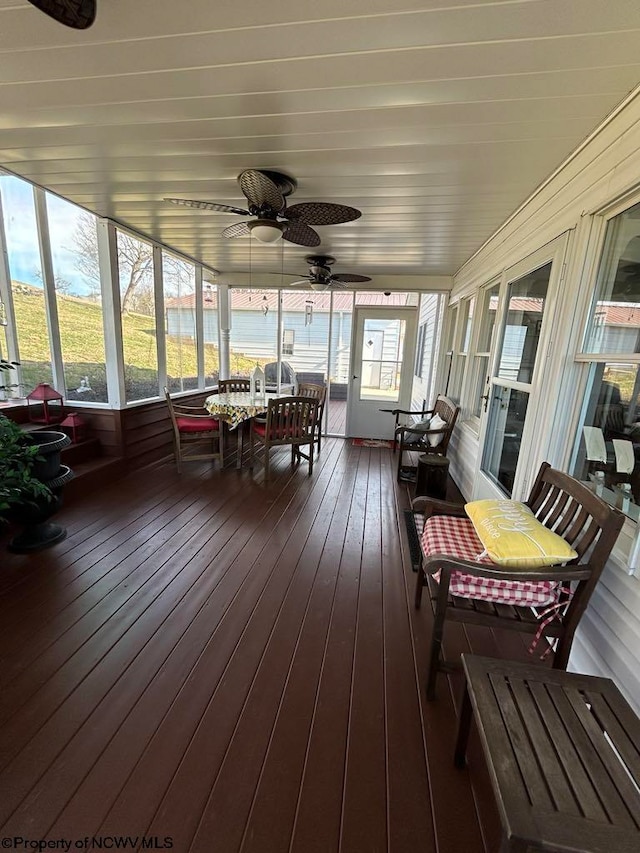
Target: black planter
point(38, 531)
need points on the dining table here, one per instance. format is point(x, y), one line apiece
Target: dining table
point(236, 409)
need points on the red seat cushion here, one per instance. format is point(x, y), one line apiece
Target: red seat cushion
point(457, 538)
point(260, 429)
point(186, 424)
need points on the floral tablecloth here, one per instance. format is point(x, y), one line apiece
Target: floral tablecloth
point(237, 407)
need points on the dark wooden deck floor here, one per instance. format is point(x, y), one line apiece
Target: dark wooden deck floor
point(234, 667)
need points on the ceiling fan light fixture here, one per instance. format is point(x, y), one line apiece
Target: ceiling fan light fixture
point(266, 230)
point(319, 285)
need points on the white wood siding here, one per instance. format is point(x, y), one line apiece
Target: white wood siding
point(600, 173)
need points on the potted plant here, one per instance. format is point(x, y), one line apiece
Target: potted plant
point(29, 485)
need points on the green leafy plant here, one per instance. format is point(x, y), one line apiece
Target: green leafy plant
point(17, 457)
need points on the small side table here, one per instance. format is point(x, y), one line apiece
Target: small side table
point(563, 755)
point(431, 479)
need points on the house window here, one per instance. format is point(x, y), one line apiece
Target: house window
point(461, 342)
point(478, 395)
point(607, 445)
point(288, 341)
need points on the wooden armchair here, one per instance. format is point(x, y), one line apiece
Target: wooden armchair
point(319, 393)
point(289, 421)
point(419, 437)
point(196, 435)
point(465, 587)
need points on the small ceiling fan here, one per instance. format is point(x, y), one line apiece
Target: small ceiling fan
point(320, 276)
point(78, 14)
point(267, 193)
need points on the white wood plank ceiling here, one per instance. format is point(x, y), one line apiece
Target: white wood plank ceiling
point(435, 118)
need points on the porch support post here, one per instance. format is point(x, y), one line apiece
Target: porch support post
point(224, 330)
point(110, 290)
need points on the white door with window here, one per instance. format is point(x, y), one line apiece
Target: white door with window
point(382, 360)
point(511, 421)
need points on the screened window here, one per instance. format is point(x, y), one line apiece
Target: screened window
point(254, 329)
point(179, 290)
point(27, 285)
point(137, 305)
point(210, 334)
point(76, 272)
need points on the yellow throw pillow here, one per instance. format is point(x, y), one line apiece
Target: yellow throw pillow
point(513, 536)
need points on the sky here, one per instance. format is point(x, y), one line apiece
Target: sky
point(22, 236)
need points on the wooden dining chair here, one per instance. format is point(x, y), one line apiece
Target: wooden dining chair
point(196, 435)
point(289, 421)
point(234, 385)
point(319, 393)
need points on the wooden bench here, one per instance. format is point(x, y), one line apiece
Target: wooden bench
point(410, 437)
point(562, 751)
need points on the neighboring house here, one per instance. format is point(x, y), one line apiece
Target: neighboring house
point(305, 327)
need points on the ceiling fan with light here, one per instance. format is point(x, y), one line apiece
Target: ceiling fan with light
point(78, 14)
point(267, 193)
point(320, 276)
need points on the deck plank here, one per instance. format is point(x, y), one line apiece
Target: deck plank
point(233, 664)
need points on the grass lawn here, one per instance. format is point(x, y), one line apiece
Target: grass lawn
point(82, 337)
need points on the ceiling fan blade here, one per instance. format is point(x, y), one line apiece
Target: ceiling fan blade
point(208, 205)
point(240, 229)
point(260, 190)
point(304, 281)
point(322, 213)
point(78, 14)
point(298, 232)
point(349, 277)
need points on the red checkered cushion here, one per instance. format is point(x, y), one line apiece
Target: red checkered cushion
point(196, 424)
point(457, 537)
